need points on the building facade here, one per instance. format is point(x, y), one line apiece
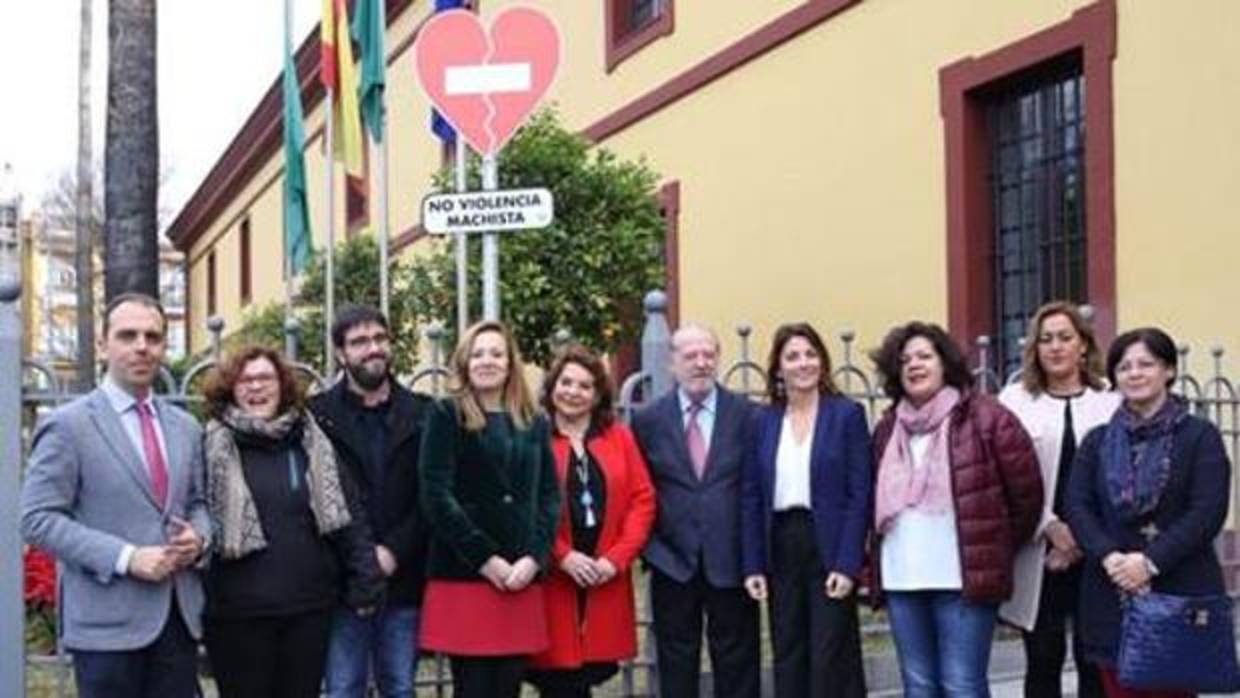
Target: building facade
point(960, 160)
point(49, 296)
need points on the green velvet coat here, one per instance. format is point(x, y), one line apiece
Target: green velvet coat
point(484, 496)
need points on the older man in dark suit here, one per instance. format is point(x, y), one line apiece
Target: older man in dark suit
point(694, 442)
point(115, 491)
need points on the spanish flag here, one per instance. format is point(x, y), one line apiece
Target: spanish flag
point(340, 76)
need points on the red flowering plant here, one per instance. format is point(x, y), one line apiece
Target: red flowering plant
point(40, 595)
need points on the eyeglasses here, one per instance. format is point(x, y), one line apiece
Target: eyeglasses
point(380, 340)
point(257, 379)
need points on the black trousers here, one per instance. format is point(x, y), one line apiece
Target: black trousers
point(487, 677)
point(1046, 645)
point(272, 657)
point(731, 632)
point(816, 640)
point(166, 668)
point(571, 683)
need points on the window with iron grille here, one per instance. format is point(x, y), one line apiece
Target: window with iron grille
point(641, 13)
point(1037, 178)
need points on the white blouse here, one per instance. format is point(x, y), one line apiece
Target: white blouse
point(920, 550)
point(792, 479)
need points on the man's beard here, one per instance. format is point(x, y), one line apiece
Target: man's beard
point(364, 377)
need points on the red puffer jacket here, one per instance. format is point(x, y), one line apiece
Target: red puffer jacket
point(997, 490)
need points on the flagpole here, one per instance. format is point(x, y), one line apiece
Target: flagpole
point(329, 271)
point(462, 245)
point(383, 182)
point(289, 349)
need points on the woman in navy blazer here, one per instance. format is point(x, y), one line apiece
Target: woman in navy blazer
point(805, 494)
point(1148, 495)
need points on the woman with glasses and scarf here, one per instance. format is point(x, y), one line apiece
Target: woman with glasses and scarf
point(1148, 494)
point(286, 545)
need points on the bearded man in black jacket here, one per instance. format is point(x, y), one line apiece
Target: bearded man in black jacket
point(376, 426)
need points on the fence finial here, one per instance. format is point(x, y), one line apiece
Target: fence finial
point(291, 326)
point(10, 291)
point(656, 342)
point(215, 325)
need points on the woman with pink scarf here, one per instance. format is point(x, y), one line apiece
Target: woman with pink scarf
point(957, 491)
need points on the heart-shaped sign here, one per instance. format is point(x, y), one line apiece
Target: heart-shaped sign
point(486, 84)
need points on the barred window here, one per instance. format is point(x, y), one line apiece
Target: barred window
point(1037, 178)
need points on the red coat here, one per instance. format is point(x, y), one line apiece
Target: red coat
point(997, 491)
point(609, 632)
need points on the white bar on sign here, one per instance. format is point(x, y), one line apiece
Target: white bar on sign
point(487, 79)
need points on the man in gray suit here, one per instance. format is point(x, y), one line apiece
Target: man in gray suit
point(114, 490)
point(694, 442)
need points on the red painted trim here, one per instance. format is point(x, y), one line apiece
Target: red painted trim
point(619, 45)
point(669, 206)
point(787, 26)
point(1090, 34)
point(407, 237)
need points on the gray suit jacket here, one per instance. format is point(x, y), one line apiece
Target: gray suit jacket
point(86, 494)
point(698, 522)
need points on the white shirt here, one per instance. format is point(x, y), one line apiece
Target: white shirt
point(126, 405)
point(920, 551)
point(792, 478)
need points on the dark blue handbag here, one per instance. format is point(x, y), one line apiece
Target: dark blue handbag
point(1184, 643)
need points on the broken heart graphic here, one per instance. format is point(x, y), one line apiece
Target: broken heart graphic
point(486, 84)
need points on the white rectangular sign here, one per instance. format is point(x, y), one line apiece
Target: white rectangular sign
point(484, 211)
point(483, 79)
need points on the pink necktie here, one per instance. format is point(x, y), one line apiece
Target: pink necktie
point(158, 470)
point(695, 441)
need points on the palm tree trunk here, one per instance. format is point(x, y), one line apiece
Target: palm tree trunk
point(131, 153)
point(83, 260)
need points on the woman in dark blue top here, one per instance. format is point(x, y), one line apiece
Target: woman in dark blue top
point(805, 494)
point(1148, 494)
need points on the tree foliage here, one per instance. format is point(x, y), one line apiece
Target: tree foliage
point(587, 271)
point(356, 264)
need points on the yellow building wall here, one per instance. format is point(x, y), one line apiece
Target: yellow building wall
point(812, 179)
point(1177, 180)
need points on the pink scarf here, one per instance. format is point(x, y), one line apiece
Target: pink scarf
point(901, 485)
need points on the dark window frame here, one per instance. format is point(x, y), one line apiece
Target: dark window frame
point(244, 243)
point(212, 288)
point(964, 90)
point(621, 40)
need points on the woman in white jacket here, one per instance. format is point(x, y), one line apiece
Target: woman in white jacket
point(1060, 397)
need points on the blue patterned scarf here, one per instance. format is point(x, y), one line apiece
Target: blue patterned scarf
point(1136, 457)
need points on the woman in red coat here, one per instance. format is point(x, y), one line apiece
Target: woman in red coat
point(607, 514)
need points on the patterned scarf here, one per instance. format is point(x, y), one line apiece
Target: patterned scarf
point(901, 484)
point(1136, 457)
point(237, 529)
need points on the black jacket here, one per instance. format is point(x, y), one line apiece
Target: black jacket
point(400, 527)
point(300, 570)
point(699, 521)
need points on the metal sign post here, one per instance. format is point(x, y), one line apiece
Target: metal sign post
point(490, 246)
point(12, 612)
point(486, 83)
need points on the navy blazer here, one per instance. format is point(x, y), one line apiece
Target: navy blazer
point(1188, 517)
point(840, 483)
point(698, 521)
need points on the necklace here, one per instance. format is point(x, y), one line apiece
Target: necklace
point(582, 468)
